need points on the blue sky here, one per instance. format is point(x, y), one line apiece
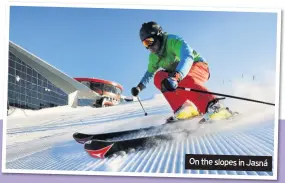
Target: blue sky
point(104, 43)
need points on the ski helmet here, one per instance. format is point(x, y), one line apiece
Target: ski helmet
point(150, 29)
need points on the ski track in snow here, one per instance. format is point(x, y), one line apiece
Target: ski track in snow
point(48, 144)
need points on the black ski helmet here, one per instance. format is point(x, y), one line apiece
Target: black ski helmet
point(150, 29)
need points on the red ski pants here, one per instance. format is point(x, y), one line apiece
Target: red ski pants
point(197, 76)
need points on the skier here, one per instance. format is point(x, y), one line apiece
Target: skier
point(181, 66)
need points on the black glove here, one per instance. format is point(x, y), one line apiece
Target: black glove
point(135, 91)
point(171, 82)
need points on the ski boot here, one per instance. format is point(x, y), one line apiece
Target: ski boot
point(187, 111)
point(216, 111)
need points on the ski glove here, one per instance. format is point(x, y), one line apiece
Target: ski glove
point(171, 82)
point(136, 90)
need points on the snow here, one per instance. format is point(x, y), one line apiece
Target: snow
point(42, 140)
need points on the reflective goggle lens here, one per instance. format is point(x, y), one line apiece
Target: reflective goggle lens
point(148, 42)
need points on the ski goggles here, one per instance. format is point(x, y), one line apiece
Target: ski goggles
point(148, 42)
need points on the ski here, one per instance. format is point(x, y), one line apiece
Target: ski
point(107, 148)
point(97, 148)
point(83, 137)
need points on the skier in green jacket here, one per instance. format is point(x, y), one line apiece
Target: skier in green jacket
point(172, 64)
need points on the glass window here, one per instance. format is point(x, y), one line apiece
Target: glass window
point(10, 93)
point(41, 104)
point(44, 84)
point(12, 63)
point(23, 68)
point(16, 95)
point(34, 100)
point(35, 74)
point(11, 101)
point(108, 88)
point(40, 82)
point(18, 66)
point(40, 95)
point(25, 84)
point(119, 91)
point(37, 95)
point(28, 85)
point(18, 73)
point(40, 77)
point(111, 88)
point(39, 88)
point(36, 88)
point(61, 92)
point(12, 71)
point(57, 90)
point(53, 88)
point(12, 56)
point(98, 87)
point(114, 90)
point(23, 98)
point(18, 60)
point(29, 71)
point(22, 83)
point(29, 92)
point(45, 97)
point(34, 80)
point(24, 64)
point(45, 80)
point(29, 99)
point(29, 78)
point(17, 87)
point(23, 76)
point(42, 90)
point(33, 93)
point(33, 86)
point(11, 86)
point(51, 99)
point(37, 102)
point(22, 90)
point(11, 79)
point(50, 86)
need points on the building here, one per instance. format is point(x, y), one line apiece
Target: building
point(35, 84)
point(108, 90)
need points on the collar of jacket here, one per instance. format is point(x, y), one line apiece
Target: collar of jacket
point(162, 49)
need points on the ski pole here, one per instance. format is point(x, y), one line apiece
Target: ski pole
point(142, 106)
point(201, 91)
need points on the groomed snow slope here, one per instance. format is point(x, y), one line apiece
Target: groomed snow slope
point(43, 140)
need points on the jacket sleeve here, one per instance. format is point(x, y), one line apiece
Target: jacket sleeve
point(152, 68)
point(185, 54)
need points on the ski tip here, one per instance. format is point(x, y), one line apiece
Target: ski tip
point(78, 138)
point(75, 135)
